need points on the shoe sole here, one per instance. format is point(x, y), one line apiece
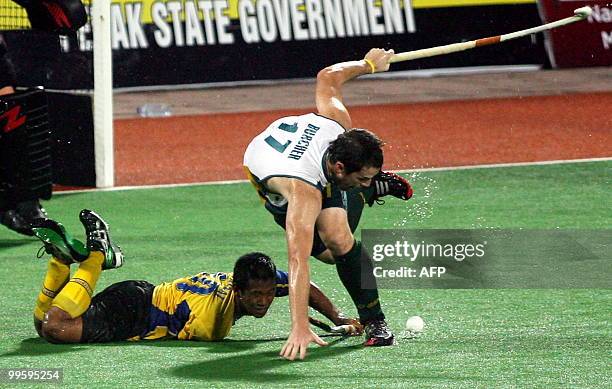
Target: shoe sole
point(379, 342)
point(55, 232)
point(116, 250)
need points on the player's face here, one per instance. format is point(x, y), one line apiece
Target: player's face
point(257, 298)
point(361, 178)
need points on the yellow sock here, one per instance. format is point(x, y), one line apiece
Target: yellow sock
point(75, 297)
point(55, 279)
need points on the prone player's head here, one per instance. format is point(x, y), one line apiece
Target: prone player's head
point(255, 283)
point(355, 157)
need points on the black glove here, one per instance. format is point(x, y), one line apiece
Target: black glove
point(58, 16)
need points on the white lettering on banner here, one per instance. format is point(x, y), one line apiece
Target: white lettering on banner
point(297, 18)
point(374, 14)
point(207, 22)
point(193, 29)
point(392, 16)
point(84, 34)
point(175, 11)
point(225, 38)
point(134, 26)
point(356, 18)
point(314, 10)
point(606, 39)
point(600, 15)
point(248, 24)
point(207, 11)
point(281, 9)
point(118, 30)
point(127, 33)
point(409, 15)
point(163, 34)
point(265, 18)
point(334, 18)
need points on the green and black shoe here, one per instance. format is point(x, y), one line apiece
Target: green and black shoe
point(58, 242)
point(98, 239)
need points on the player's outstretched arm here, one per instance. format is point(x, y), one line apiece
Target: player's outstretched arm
point(322, 304)
point(304, 205)
point(330, 80)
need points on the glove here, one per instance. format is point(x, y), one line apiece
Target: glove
point(58, 16)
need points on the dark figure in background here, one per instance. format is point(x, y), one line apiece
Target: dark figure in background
point(25, 143)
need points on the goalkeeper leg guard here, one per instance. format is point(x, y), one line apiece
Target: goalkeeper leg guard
point(25, 157)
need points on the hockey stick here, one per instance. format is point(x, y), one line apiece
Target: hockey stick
point(345, 329)
point(579, 14)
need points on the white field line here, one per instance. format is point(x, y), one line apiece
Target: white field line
point(428, 169)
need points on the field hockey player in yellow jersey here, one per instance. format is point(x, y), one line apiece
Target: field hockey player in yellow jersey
point(199, 307)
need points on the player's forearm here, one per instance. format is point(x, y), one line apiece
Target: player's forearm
point(300, 235)
point(299, 281)
point(340, 73)
point(322, 304)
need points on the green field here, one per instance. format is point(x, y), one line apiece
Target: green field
point(473, 338)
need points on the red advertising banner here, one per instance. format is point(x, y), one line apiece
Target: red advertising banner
point(586, 43)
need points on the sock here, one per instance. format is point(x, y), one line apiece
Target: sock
point(55, 279)
point(75, 297)
point(349, 268)
point(356, 200)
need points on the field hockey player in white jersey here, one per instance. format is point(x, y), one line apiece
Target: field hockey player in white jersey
point(316, 173)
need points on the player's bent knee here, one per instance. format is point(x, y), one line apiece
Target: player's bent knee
point(54, 327)
point(340, 244)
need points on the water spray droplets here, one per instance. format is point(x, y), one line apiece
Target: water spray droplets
point(421, 207)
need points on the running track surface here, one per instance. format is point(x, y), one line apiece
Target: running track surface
point(209, 147)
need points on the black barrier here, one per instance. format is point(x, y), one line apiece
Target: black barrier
point(72, 135)
point(169, 43)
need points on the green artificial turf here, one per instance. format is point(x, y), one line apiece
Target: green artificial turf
point(473, 338)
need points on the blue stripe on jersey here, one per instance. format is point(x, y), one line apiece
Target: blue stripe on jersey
point(174, 322)
point(209, 287)
point(282, 283)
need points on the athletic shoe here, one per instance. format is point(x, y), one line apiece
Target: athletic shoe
point(98, 239)
point(385, 183)
point(378, 334)
point(58, 242)
point(11, 219)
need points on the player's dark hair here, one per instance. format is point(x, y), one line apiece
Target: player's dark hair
point(253, 266)
point(356, 149)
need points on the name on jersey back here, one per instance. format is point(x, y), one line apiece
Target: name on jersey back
point(302, 144)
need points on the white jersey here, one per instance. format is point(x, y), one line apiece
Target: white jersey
point(293, 146)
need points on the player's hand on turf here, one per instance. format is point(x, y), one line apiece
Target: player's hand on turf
point(298, 342)
point(380, 58)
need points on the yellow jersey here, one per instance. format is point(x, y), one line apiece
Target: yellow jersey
point(200, 307)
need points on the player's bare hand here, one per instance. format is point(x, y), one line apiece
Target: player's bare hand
point(298, 342)
point(350, 321)
point(380, 59)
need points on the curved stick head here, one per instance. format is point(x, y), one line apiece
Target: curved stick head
point(583, 12)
